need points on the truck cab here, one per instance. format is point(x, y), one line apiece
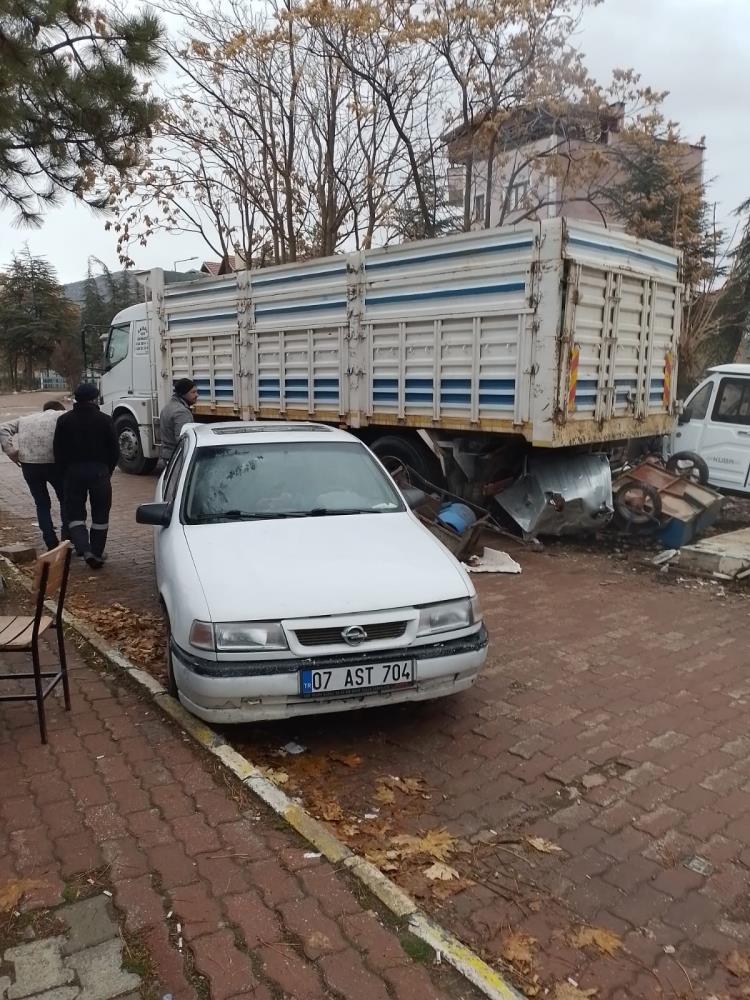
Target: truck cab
point(127, 390)
point(715, 424)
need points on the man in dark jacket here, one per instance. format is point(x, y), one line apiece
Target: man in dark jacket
point(86, 452)
point(175, 415)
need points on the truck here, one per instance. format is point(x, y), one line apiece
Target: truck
point(456, 357)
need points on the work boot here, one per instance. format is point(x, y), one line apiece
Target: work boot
point(93, 562)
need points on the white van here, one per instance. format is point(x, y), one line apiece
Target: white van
point(715, 424)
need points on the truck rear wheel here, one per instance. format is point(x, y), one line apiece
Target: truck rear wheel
point(131, 458)
point(398, 452)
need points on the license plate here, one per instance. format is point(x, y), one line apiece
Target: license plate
point(374, 677)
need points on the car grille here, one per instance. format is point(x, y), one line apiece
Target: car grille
point(333, 637)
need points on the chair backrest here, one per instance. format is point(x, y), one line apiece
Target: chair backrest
point(51, 576)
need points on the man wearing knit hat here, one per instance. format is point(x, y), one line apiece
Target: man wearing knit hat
point(86, 453)
point(175, 415)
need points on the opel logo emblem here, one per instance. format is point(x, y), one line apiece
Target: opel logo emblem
point(353, 635)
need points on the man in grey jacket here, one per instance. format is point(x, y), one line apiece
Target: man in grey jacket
point(27, 441)
point(175, 415)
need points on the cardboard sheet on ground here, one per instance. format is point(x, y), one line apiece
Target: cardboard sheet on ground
point(492, 561)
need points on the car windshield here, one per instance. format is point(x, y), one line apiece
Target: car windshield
point(296, 479)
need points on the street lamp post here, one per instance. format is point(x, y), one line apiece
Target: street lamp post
point(184, 260)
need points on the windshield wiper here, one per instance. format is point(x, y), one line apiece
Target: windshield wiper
point(326, 511)
point(246, 515)
point(273, 515)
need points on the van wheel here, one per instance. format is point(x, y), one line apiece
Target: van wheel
point(132, 459)
point(400, 453)
point(688, 465)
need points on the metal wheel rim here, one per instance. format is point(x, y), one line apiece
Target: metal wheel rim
point(128, 443)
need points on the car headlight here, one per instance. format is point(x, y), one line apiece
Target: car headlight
point(251, 637)
point(449, 616)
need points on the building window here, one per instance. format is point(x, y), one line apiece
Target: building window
point(518, 192)
point(478, 208)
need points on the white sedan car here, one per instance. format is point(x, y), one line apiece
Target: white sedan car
point(296, 580)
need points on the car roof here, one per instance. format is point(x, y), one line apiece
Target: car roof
point(731, 369)
point(266, 432)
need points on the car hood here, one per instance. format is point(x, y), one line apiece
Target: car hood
point(306, 567)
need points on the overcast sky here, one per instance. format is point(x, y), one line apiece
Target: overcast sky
point(696, 49)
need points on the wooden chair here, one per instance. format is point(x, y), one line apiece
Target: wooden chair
point(20, 633)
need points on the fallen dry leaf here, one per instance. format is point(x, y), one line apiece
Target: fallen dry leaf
point(543, 846)
point(567, 991)
point(387, 861)
point(596, 937)
point(440, 872)
point(517, 949)
point(444, 890)
point(409, 786)
point(140, 636)
point(384, 794)
point(347, 759)
point(737, 964)
point(277, 777)
point(436, 843)
point(331, 811)
point(11, 893)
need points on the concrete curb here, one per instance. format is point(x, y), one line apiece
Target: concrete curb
point(402, 906)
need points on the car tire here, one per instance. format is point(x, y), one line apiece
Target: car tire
point(396, 452)
point(132, 459)
point(172, 688)
point(688, 465)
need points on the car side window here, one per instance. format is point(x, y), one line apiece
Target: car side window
point(697, 408)
point(732, 404)
point(172, 474)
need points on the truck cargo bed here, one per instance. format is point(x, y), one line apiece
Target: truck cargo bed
point(560, 333)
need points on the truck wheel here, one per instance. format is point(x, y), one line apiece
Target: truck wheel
point(688, 465)
point(131, 458)
point(396, 452)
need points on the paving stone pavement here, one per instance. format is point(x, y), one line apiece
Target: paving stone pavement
point(83, 964)
point(217, 891)
point(611, 720)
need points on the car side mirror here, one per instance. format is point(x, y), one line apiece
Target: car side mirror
point(684, 418)
point(414, 497)
point(158, 514)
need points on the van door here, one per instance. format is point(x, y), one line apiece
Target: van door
point(688, 435)
point(721, 436)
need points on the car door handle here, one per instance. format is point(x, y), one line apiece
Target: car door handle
point(744, 434)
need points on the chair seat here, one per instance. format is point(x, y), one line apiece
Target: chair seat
point(16, 631)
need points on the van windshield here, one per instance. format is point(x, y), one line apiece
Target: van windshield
point(295, 479)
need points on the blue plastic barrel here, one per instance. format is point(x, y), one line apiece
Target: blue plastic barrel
point(457, 516)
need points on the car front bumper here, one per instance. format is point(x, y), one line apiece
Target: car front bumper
point(260, 690)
